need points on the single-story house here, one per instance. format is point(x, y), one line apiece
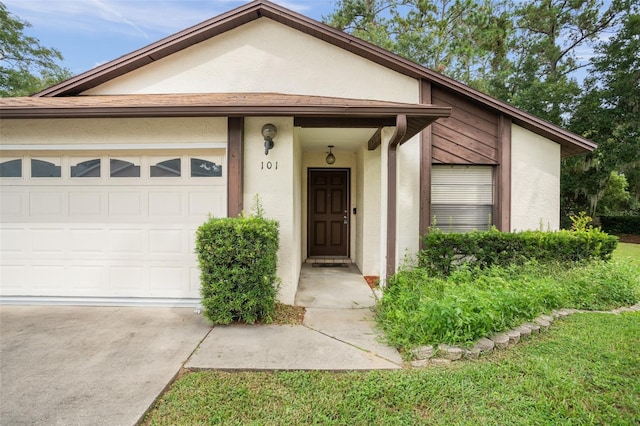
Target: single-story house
point(355, 151)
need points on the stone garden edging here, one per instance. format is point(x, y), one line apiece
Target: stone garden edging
point(444, 354)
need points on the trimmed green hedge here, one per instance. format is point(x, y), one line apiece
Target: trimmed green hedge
point(444, 252)
point(621, 224)
point(238, 262)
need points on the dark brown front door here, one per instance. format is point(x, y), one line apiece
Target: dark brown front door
point(328, 212)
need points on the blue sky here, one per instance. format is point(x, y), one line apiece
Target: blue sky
point(89, 33)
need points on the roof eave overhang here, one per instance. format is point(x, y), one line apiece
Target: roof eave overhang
point(418, 117)
point(223, 111)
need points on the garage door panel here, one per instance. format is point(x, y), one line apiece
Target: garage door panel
point(48, 240)
point(127, 241)
point(166, 203)
point(126, 203)
point(13, 241)
point(120, 279)
point(46, 204)
point(105, 236)
point(194, 280)
point(84, 241)
point(13, 204)
point(168, 280)
point(90, 279)
point(13, 278)
point(86, 204)
point(52, 278)
point(202, 204)
point(166, 241)
point(128, 280)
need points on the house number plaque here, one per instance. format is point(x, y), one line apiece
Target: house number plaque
point(268, 165)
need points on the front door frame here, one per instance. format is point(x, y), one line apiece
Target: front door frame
point(347, 170)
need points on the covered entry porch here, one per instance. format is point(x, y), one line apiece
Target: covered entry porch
point(297, 186)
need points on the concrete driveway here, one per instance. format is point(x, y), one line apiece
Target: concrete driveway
point(90, 365)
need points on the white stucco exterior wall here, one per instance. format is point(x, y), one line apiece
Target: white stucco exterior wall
point(535, 181)
point(408, 199)
point(387, 133)
point(360, 161)
point(74, 133)
point(368, 213)
point(265, 56)
point(277, 192)
point(297, 209)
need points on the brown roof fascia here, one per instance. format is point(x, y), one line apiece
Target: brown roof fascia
point(260, 8)
point(210, 111)
point(308, 111)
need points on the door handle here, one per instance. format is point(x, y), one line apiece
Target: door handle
point(346, 221)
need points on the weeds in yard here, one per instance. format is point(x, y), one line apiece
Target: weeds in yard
point(628, 252)
point(419, 309)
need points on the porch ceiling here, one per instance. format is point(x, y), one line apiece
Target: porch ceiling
point(344, 139)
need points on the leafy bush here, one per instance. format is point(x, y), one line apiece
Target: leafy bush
point(420, 309)
point(443, 252)
point(238, 261)
point(621, 224)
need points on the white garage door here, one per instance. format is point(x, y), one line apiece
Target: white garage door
point(87, 228)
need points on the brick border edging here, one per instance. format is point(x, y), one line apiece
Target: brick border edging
point(445, 354)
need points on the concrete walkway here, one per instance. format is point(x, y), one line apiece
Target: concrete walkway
point(338, 332)
point(107, 365)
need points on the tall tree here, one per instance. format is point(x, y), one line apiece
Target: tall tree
point(544, 48)
point(463, 39)
point(25, 65)
point(366, 19)
point(608, 113)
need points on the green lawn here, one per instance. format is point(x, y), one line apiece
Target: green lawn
point(584, 370)
point(628, 251)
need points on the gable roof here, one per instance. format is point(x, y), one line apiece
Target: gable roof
point(571, 143)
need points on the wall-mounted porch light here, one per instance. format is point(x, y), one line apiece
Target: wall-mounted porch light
point(330, 157)
point(269, 132)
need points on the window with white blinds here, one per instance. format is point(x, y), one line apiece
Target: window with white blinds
point(462, 197)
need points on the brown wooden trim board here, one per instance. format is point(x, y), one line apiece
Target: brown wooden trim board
point(235, 159)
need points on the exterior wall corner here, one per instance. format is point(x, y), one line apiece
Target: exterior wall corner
point(535, 181)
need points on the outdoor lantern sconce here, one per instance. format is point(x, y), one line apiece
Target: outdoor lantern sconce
point(330, 157)
point(269, 132)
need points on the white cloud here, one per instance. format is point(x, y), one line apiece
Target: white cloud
point(140, 18)
point(295, 5)
point(110, 13)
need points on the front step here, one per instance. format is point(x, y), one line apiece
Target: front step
point(329, 259)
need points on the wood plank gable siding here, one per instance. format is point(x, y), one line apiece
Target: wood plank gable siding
point(468, 136)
